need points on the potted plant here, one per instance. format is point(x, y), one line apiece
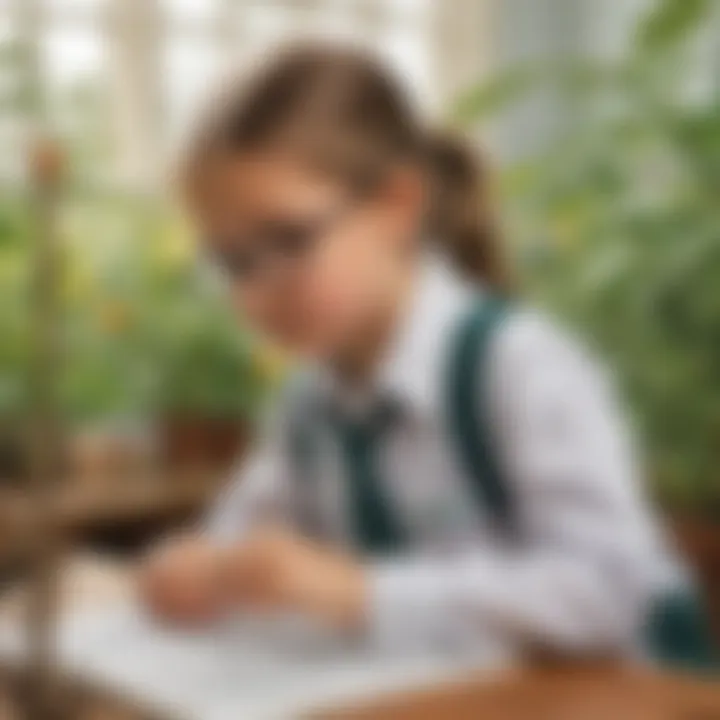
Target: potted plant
point(210, 387)
point(211, 375)
point(152, 339)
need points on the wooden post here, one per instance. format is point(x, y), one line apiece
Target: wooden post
point(44, 170)
point(45, 165)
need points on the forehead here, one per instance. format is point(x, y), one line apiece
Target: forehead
point(256, 185)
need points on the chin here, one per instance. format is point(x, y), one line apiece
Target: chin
point(304, 346)
point(315, 350)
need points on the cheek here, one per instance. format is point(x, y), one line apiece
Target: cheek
point(253, 307)
point(343, 286)
point(334, 298)
point(295, 317)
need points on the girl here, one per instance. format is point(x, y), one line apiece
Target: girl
point(449, 470)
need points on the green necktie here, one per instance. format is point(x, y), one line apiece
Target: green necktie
point(375, 527)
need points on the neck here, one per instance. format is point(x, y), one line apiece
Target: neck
point(357, 362)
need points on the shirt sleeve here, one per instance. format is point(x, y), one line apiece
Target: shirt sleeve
point(583, 572)
point(259, 491)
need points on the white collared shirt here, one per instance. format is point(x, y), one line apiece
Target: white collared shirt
point(591, 557)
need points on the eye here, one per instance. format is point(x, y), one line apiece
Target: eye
point(236, 263)
point(292, 240)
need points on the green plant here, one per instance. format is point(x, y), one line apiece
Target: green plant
point(143, 333)
point(617, 229)
point(14, 348)
point(148, 332)
point(207, 363)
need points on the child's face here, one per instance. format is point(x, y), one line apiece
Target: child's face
point(311, 263)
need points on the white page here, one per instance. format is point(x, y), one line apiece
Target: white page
point(248, 669)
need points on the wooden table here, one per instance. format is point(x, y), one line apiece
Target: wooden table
point(590, 692)
point(84, 511)
point(549, 692)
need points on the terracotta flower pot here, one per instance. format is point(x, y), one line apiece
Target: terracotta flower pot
point(213, 443)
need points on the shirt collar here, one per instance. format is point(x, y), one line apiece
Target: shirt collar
point(411, 371)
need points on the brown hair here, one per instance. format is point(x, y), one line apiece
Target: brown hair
point(343, 112)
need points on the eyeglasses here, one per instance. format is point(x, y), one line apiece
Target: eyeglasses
point(281, 243)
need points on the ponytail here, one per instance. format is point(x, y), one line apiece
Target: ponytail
point(461, 218)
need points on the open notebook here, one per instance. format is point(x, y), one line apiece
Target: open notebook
point(248, 669)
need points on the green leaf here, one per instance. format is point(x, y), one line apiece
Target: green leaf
point(492, 96)
point(669, 22)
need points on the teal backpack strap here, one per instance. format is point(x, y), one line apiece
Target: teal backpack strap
point(468, 423)
point(678, 633)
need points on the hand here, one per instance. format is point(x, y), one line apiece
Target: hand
point(180, 582)
point(278, 570)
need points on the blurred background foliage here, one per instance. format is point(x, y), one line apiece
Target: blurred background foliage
point(616, 226)
point(146, 328)
point(146, 332)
